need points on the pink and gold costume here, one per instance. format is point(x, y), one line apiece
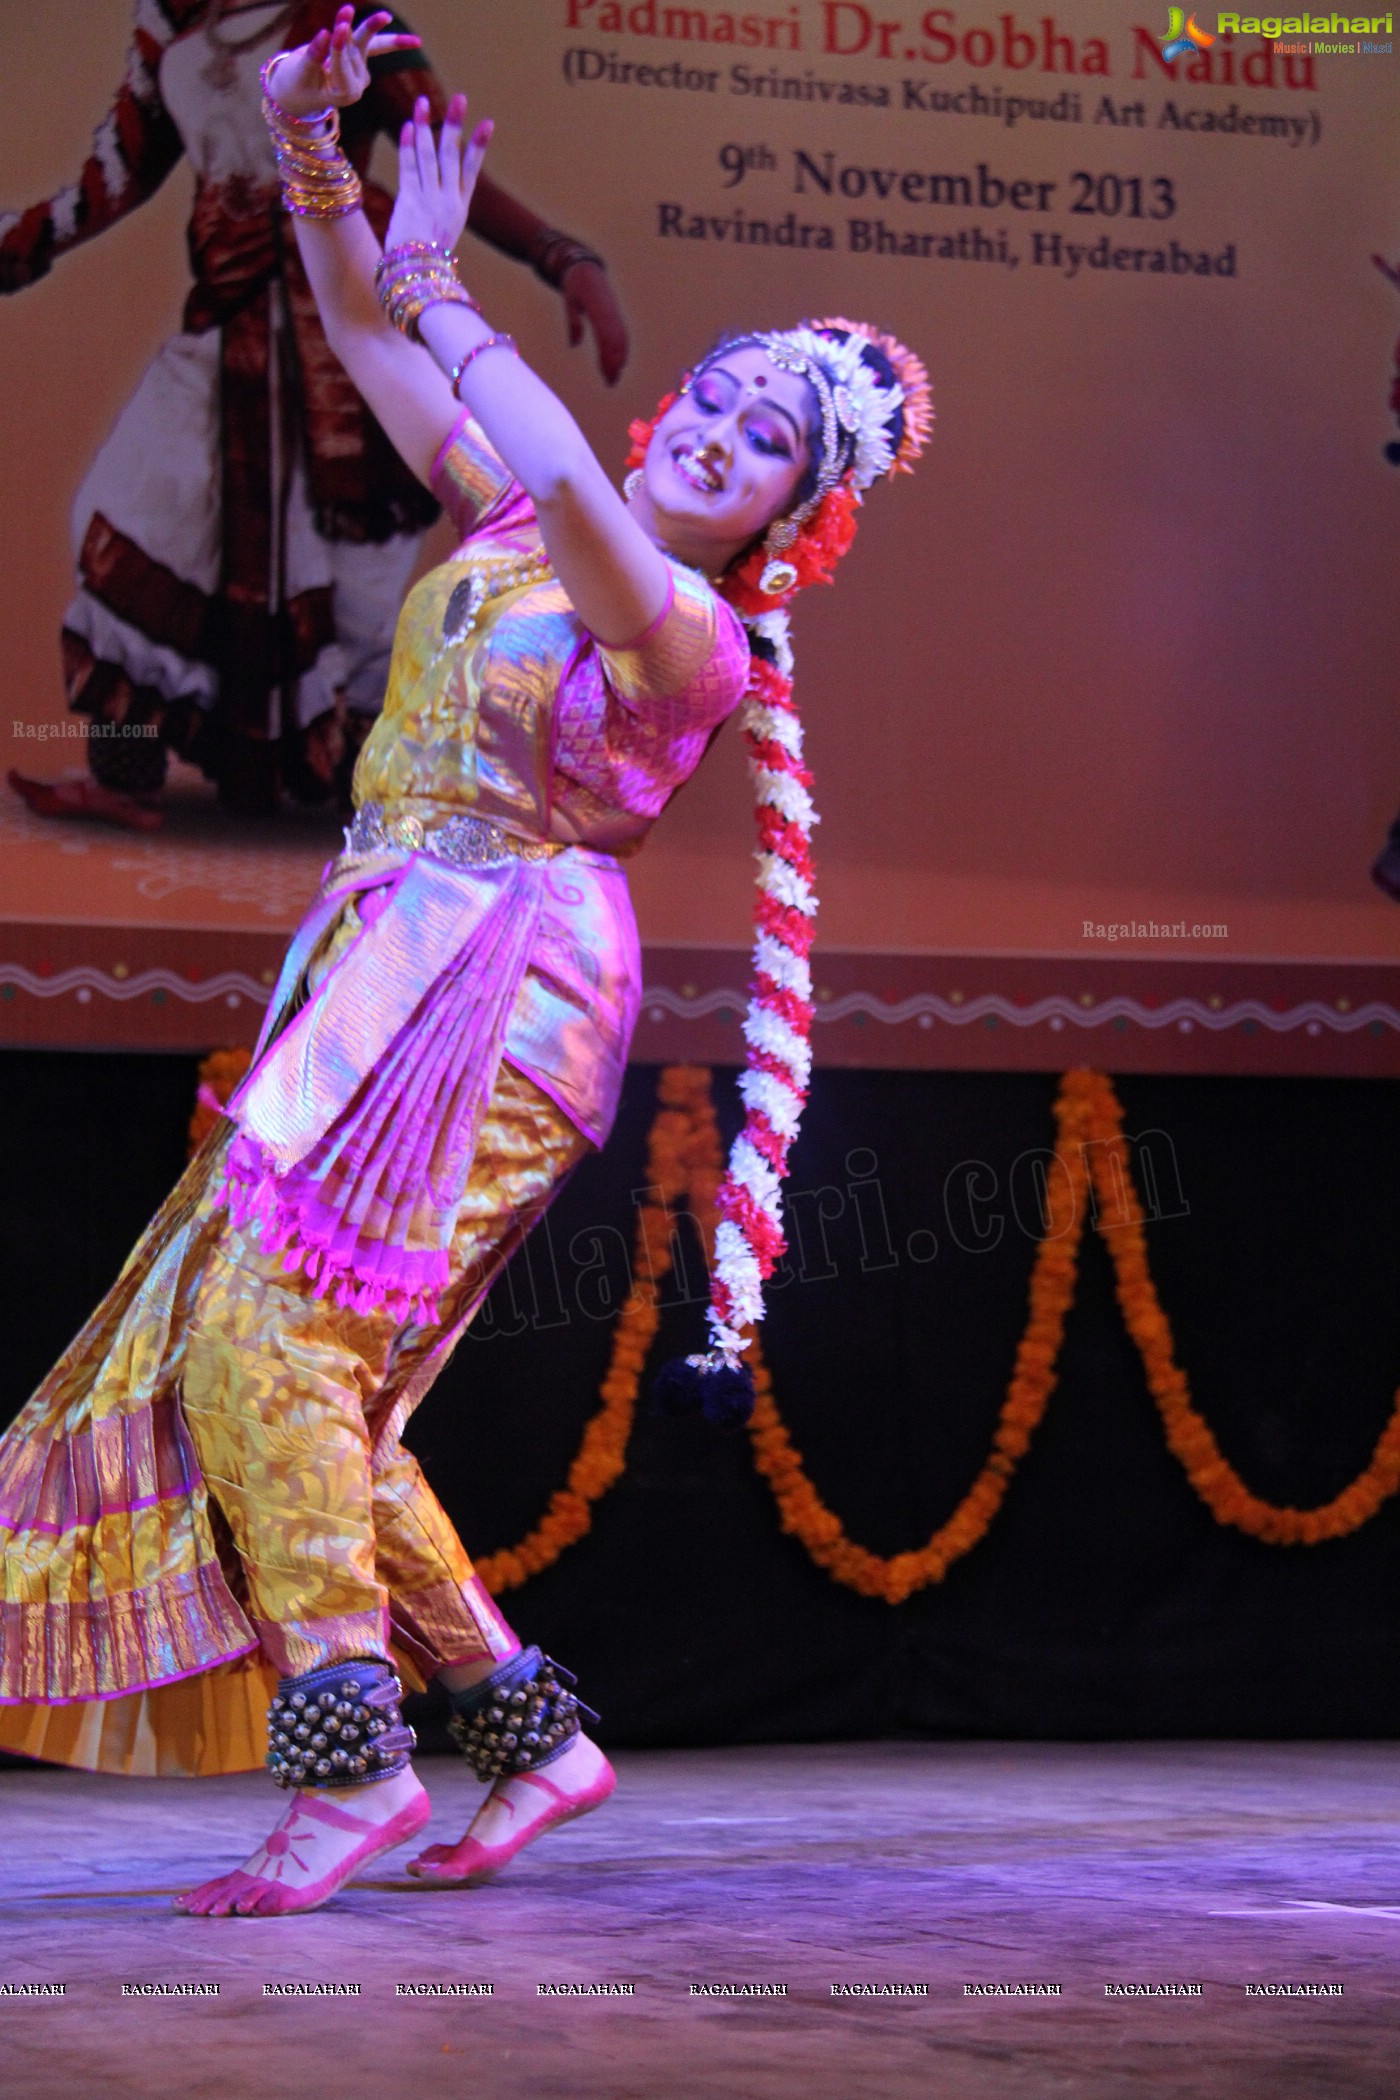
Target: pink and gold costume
point(209, 1491)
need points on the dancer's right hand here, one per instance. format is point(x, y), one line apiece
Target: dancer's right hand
point(334, 67)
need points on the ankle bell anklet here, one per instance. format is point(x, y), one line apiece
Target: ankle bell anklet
point(518, 1718)
point(339, 1726)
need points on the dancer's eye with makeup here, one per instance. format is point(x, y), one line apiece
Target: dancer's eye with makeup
point(771, 439)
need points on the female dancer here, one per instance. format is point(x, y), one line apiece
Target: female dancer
point(207, 1502)
point(245, 535)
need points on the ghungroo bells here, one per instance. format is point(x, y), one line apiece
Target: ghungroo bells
point(520, 1717)
point(338, 1727)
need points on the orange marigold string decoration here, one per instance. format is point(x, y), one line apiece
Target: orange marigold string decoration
point(1188, 1434)
point(802, 1510)
point(602, 1456)
point(685, 1164)
point(686, 1161)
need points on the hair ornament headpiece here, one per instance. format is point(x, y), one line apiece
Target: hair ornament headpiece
point(871, 426)
point(852, 400)
point(915, 387)
point(876, 416)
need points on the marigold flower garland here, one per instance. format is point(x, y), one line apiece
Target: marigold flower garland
point(686, 1159)
point(672, 1170)
point(1089, 1123)
point(802, 1510)
point(1188, 1434)
point(685, 1164)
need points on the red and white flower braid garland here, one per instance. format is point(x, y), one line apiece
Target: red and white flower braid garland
point(778, 1025)
point(749, 1240)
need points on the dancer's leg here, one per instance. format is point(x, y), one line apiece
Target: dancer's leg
point(274, 1392)
point(522, 1805)
point(440, 1611)
point(436, 1597)
point(147, 530)
point(323, 1840)
point(295, 1408)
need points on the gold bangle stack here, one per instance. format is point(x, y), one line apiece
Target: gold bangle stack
point(318, 182)
point(414, 276)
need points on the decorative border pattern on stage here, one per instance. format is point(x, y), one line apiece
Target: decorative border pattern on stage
point(161, 988)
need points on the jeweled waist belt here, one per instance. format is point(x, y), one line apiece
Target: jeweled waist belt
point(461, 841)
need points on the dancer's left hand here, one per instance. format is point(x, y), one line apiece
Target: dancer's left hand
point(436, 180)
point(333, 69)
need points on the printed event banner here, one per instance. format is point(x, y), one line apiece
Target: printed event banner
point(1124, 649)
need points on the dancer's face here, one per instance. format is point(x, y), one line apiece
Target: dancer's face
point(727, 458)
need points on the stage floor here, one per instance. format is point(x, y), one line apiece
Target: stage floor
point(1222, 1866)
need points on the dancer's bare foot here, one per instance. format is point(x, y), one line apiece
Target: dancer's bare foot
point(327, 1835)
point(85, 799)
point(517, 1811)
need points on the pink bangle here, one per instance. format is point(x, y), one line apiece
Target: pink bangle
point(490, 342)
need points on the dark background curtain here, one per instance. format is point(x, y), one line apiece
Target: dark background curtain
point(1105, 1600)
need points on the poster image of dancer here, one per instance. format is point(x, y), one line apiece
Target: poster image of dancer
point(245, 534)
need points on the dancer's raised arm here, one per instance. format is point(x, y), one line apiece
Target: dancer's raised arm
point(612, 570)
point(570, 267)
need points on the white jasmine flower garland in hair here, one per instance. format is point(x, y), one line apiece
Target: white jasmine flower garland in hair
point(875, 416)
point(778, 1024)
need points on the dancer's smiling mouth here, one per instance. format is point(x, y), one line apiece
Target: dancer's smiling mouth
point(699, 470)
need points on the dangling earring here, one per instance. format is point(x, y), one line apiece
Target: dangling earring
point(778, 576)
point(632, 483)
